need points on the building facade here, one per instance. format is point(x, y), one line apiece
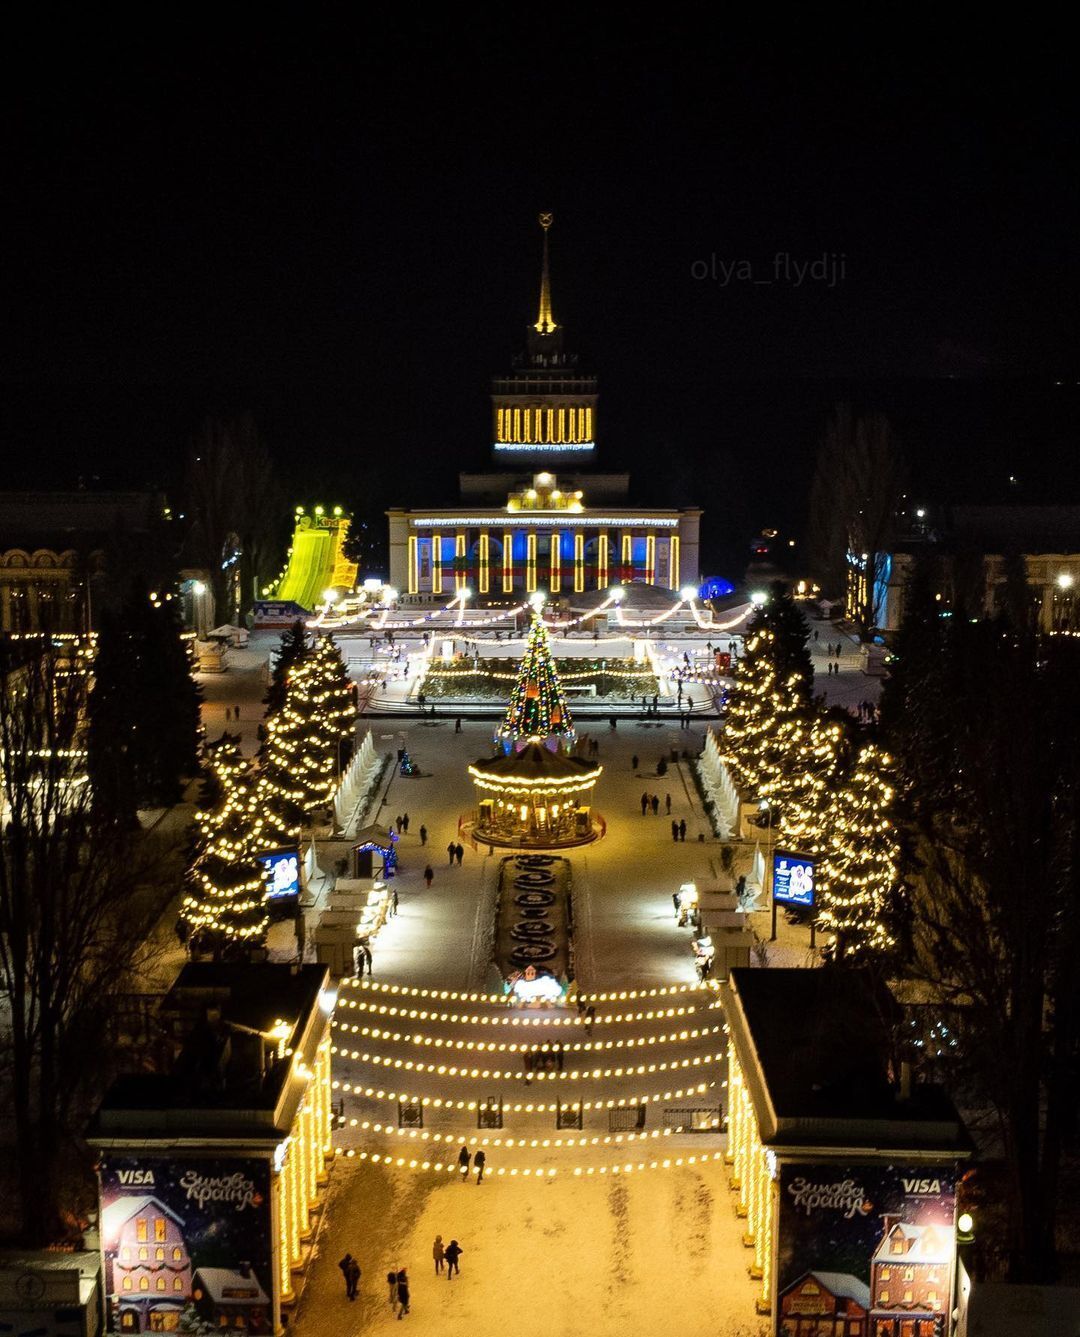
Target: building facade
point(541, 519)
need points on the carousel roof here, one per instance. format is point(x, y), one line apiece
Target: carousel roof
point(535, 765)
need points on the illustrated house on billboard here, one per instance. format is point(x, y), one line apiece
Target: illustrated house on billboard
point(229, 1299)
point(149, 1267)
point(832, 1302)
point(910, 1278)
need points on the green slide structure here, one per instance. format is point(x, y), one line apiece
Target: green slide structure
point(316, 563)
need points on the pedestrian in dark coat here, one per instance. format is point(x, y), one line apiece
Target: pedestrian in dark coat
point(391, 1281)
point(438, 1253)
point(423, 835)
point(479, 1161)
point(463, 1162)
point(644, 804)
point(428, 874)
point(397, 823)
point(346, 1266)
point(405, 823)
point(453, 1253)
point(682, 829)
point(655, 804)
point(667, 804)
point(674, 829)
point(450, 849)
point(403, 1293)
point(633, 762)
point(460, 852)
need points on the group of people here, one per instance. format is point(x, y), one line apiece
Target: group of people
point(651, 803)
point(397, 1279)
point(541, 1060)
point(479, 1161)
point(455, 851)
point(832, 653)
point(678, 829)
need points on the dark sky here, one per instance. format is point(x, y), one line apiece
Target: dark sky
point(336, 229)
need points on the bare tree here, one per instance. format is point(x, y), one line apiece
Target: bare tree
point(76, 914)
point(854, 503)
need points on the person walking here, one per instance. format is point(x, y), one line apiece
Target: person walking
point(367, 955)
point(644, 804)
point(633, 762)
point(450, 850)
point(674, 829)
point(457, 725)
point(391, 1281)
point(439, 1254)
point(654, 803)
point(463, 1164)
point(397, 823)
point(453, 1253)
point(682, 829)
point(423, 835)
point(402, 1293)
point(667, 804)
point(405, 823)
point(479, 1161)
point(394, 900)
point(428, 875)
point(460, 852)
point(346, 1266)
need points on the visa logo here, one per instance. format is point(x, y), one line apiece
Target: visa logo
point(136, 1178)
point(922, 1185)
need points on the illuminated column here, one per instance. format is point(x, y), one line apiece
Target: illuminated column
point(579, 562)
point(673, 563)
point(767, 1232)
point(549, 425)
point(627, 556)
point(650, 559)
point(508, 563)
point(601, 561)
point(284, 1234)
point(311, 1146)
point(530, 562)
point(414, 565)
point(296, 1184)
point(517, 425)
point(499, 429)
point(556, 561)
point(436, 564)
point(460, 574)
point(484, 575)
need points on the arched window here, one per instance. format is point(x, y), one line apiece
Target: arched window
point(126, 1284)
point(144, 1283)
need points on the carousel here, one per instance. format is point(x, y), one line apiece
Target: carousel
point(535, 792)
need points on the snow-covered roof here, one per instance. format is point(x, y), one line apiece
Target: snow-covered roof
point(121, 1210)
point(926, 1244)
point(844, 1286)
point(218, 1280)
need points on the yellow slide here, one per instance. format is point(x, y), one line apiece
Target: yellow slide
point(316, 562)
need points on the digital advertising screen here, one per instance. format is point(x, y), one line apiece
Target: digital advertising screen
point(793, 879)
point(282, 871)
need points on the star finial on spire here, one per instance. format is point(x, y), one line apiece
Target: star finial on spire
point(546, 323)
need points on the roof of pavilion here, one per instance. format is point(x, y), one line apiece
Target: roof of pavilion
point(534, 764)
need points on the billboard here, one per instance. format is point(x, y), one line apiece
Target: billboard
point(186, 1244)
point(282, 871)
point(865, 1249)
point(793, 879)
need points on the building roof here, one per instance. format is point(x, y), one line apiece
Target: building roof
point(218, 1280)
point(841, 1284)
point(534, 764)
point(120, 1211)
point(815, 1049)
point(926, 1244)
point(226, 1081)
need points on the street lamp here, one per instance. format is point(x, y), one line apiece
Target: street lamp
point(1065, 580)
point(687, 593)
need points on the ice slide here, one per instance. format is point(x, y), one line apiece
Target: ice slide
point(316, 562)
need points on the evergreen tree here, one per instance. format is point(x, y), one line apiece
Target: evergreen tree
point(537, 709)
point(225, 899)
point(819, 758)
point(339, 713)
point(292, 646)
point(857, 873)
point(769, 702)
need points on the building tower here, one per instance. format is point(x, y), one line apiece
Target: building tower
point(544, 412)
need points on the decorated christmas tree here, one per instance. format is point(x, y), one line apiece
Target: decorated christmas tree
point(537, 711)
point(857, 871)
point(338, 714)
point(804, 794)
point(225, 898)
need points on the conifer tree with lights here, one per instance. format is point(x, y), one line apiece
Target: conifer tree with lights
point(769, 703)
point(857, 873)
point(224, 906)
point(292, 646)
point(339, 714)
point(537, 708)
point(818, 760)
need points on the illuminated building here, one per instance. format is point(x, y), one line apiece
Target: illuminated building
point(212, 1167)
point(538, 520)
point(535, 797)
point(844, 1171)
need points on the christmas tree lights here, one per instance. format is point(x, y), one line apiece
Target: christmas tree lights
point(226, 885)
point(537, 711)
point(817, 757)
point(858, 868)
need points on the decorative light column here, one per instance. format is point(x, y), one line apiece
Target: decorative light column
point(460, 574)
point(627, 556)
point(673, 563)
point(484, 574)
point(436, 564)
point(556, 561)
point(530, 563)
point(508, 563)
point(414, 565)
point(650, 559)
point(579, 562)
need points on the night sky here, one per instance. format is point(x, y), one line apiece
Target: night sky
point(337, 230)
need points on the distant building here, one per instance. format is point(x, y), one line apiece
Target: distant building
point(538, 520)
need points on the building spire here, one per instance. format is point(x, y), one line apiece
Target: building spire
point(546, 323)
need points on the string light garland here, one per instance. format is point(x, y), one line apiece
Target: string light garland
point(537, 707)
point(504, 1000)
point(538, 1172)
point(510, 1143)
point(523, 1107)
point(528, 1046)
point(515, 1075)
point(547, 1018)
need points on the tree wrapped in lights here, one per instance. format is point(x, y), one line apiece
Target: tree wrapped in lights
point(768, 704)
point(308, 740)
point(857, 872)
point(537, 708)
point(226, 887)
point(819, 756)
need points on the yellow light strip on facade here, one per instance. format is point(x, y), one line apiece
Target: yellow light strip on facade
point(752, 1178)
point(460, 579)
point(579, 563)
point(436, 564)
point(673, 564)
point(650, 559)
point(530, 563)
point(539, 785)
point(414, 565)
point(484, 573)
point(508, 563)
point(627, 554)
point(556, 562)
point(602, 579)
